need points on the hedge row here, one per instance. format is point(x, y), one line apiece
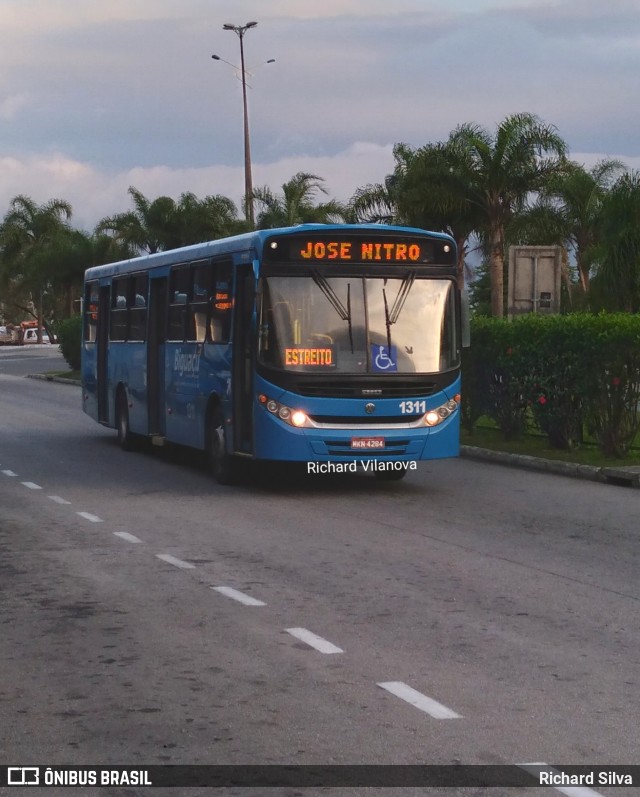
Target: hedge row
point(564, 373)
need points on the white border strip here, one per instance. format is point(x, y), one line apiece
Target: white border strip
point(171, 560)
point(417, 699)
point(313, 640)
point(241, 597)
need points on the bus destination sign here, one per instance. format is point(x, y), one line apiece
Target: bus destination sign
point(399, 250)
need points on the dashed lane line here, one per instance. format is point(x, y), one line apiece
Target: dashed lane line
point(314, 641)
point(172, 560)
point(31, 485)
point(124, 535)
point(423, 702)
point(88, 516)
point(9, 473)
point(241, 597)
point(59, 500)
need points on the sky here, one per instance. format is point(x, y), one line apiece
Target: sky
point(100, 95)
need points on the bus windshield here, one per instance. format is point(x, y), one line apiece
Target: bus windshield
point(358, 324)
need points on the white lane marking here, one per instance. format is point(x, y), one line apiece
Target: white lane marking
point(315, 641)
point(31, 485)
point(90, 517)
point(534, 768)
point(417, 699)
point(9, 473)
point(241, 597)
point(126, 536)
point(59, 500)
point(166, 557)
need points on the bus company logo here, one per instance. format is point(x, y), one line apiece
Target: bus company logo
point(186, 363)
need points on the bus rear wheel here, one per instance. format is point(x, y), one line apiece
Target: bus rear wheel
point(126, 438)
point(222, 465)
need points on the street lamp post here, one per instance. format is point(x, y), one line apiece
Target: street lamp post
point(248, 181)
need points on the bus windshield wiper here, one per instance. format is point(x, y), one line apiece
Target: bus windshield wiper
point(387, 317)
point(401, 298)
point(335, 302)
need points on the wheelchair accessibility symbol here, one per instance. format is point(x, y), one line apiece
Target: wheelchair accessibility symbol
point(384, 358)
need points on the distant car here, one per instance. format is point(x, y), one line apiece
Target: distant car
point(31, 336)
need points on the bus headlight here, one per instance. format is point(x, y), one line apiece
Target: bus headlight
point(441, 413)
point(295, 418)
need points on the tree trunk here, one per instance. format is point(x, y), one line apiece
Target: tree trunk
point(496, 270)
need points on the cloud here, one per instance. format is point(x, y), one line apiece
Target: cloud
point(11, 106)
point(95, 192)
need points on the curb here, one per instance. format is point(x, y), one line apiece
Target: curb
point(617, 475)
point(59, 379)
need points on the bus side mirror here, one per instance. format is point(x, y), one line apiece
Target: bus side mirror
point(465, 318)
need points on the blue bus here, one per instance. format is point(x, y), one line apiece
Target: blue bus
point(337, 346)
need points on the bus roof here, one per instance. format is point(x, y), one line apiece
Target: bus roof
point(237, 243)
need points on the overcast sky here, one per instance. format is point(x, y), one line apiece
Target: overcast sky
point(98, 95)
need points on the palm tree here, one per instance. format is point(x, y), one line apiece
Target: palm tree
point(26, 235)
point(161, 224)
point(433, 192)
point(617, 279)
point(150, 227)
point(206, 219)
point(377, 203)
point(494, 174)
point(567, 212)
point(296, 204)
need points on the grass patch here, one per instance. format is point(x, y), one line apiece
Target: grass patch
point(535, 445)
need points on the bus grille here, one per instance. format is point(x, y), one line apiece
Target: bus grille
point(343, 448)
point(338, 388)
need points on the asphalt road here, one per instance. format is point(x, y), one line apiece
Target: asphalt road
point(469, 614)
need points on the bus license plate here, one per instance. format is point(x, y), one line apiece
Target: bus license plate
point(367, 443)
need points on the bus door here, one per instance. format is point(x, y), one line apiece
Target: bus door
point(242, 367)
point(102, 344)
point(155, 355)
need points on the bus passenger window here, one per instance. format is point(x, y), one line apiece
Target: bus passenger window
point(221, 303)
point(138, 307)
point(91, 304)
point(178, 290)
point(118, 325)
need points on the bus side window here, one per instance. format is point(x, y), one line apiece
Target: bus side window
point(199, 293)
point(91, 304)
point(178, 291)
point(118, 325)
point(221, 302)
point(138, 307)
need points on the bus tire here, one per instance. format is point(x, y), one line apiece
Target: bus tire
point(222, 465)
point(391, 475)
point(126, 438)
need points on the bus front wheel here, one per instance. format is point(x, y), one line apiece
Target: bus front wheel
point(221, 464)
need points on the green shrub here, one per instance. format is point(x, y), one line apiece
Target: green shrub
point(559, 371)
point(70, 339)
